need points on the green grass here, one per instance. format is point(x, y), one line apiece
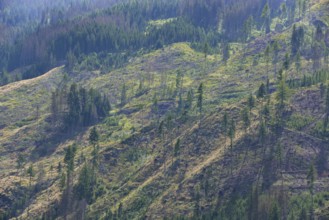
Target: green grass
point(298, 121)
point(225, 87)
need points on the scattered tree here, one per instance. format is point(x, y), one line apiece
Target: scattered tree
point(246, 118)
point(247, 28)
point(225, 124)
point(20, 162)
point(251, 102)
point(298, 63)
point(225, 51)
point(311, 176)
point(286, 62)
point(281, 97)
point(267, 57)
point(67, 194)
point(179, 82)
point(261, 91)
point(275, 212)
point(231, 132)
point(177, 148)
point(275, 49)
point(93, 136)
point(85, 186)
point(297, 39)
point(200, 98)
point(266, 15)
point(31, 173)
point(71, 60)
point(282, 94)
point(189, 100)
point(123, 95)
point(262, 132)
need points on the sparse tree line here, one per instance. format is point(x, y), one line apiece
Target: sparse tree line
point(71, 107)
point(272, 119)
point(88, 186)
point(76, 176)
point(257, 202)
point(75, 106)
point(317, 51)
point(78, 181)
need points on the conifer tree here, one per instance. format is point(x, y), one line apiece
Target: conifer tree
point(69, 161)
point(179, 81)
point(69, 158)
point(123, 95)
point(231, 132)
point(161, 129)
point(31, 173)
point(267, 57)
point(282, 94)
point(180, 104)
point(297, 38)
point(317, 48)
point(225, 51)
point(275, 49)
point(326, 118)
point(71, 60)
point(95, 158)
point(283, 10)
point(254, 203)
point(93, 139)
point(189, 100)
point(54, 107)
point(206, 50)
point(326, 54)
point(246, 118)
point(266, 113)
point(327, 102)
point(177, 148)
point(120, 211)
point(84, 188)
point(298, 63)
point(261, 91)
point(266, 15)
point(20, 162)
point(251, 102)
point(93, 136)
point(281, 97)
point(225, 124)
point(262, 132)
point(73, 117)
point(275, 213)
point(247, 28)
point(59, 168)
point(286, 62)
point(200, 98)
point(311, 176)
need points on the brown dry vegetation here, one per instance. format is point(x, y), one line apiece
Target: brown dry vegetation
point(156, 184)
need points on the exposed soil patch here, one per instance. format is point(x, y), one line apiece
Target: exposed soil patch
point(308, 102)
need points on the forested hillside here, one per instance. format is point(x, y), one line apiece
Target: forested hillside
point(155, 109)
point(120, 29)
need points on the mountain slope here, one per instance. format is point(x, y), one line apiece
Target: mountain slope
point(165, 149)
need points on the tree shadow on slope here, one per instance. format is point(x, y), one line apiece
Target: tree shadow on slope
point(47, 144)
